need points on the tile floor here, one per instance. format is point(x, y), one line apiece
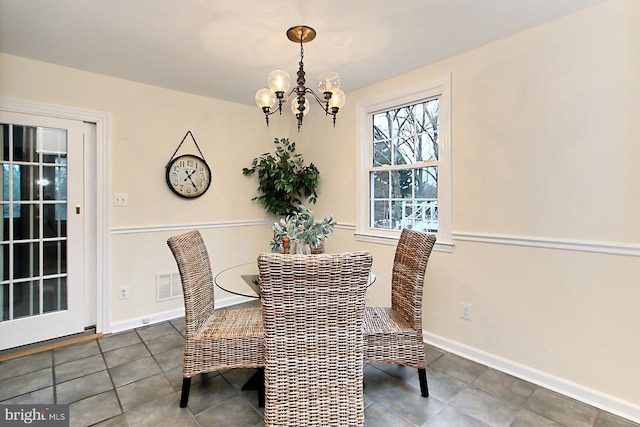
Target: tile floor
point(134, 378)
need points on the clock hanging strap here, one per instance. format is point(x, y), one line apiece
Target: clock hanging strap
point(180, 145)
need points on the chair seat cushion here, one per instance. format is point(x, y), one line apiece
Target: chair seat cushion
point(232, 324)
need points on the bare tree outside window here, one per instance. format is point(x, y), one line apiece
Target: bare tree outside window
point(404, 175)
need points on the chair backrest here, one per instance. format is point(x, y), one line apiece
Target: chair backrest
point(313, 310)
point(194, 265)
point(407, 278)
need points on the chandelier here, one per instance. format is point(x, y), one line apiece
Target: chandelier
point(279, 81)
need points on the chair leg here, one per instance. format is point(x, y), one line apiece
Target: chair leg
point(184, 397)
point(424, 388)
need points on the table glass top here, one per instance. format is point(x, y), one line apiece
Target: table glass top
point(242, 280)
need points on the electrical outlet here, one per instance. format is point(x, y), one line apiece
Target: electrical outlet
point(465, 311)
point(120, 199)
point(123, 292)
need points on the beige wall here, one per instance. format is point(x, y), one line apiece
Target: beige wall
point(545, 151)
point(146, 126)
point(545, 148)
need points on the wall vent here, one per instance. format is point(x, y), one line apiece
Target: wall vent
point(168, 286)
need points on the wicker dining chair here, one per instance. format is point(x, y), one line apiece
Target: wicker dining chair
point(213, 339)
point(394, 334)
point(313, 308)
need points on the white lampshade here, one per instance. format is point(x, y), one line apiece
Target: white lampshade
point(279, 81)
point(265, 98)
point(328, 82)
point(337, 99)
point(294, 106)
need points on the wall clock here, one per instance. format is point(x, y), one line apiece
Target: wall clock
point(188, 175)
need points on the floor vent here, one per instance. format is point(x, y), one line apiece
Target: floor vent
point(168, 286)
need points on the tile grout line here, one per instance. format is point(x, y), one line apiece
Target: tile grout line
point(113, 384)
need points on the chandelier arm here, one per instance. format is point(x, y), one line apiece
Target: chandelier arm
point(324, 104)
point(287, 96)
point(269, 112)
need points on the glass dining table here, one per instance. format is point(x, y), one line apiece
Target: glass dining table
point(242, 280)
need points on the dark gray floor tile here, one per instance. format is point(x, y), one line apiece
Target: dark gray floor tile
point(251, 397)
point(75, 352)
point(529, 419)
point(561, 409)
point(233, 412)
point(377, 415)
point(174, 376)
point(83, 387)
point(22, 384)
point(457, 367)
point(155, 331)
point(178, 324)
point(484, 407)
point(115, 341)
point(165, 342)
point(210, 391)
point(163, 412)
point(432, 353)
point(144, 391)
point(442, 386)
point(406, 402)
point(118, 421)
point(605, 419)
point(94, 409)
point(78, 368)
point(462, 393)
point(126, 354)
point(25, 364)
point(134, 371)
point(43, 396)
point(170, 359)
point(377, 383)
point(504, 386)
point(238, 377)
point(400, 372)
point(452, 417)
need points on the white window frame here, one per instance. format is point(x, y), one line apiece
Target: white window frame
point(441, 88)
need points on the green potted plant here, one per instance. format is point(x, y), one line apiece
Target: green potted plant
point(305, 235)
point(283, 179)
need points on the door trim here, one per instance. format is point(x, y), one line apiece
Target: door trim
point(102, 191)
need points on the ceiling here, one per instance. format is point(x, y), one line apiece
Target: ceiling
point(225, 49)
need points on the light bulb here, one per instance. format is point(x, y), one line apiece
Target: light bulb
point(294, 106)
point(337, 99)
point(279, 81)
point(328, 82)
point(265, 98)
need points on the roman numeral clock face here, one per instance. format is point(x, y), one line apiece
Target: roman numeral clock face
point(188, 176)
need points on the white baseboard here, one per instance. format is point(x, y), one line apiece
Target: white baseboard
point(146, 320)
point(576, 391)
point(169, 315)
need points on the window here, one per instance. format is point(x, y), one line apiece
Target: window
point(405, 163)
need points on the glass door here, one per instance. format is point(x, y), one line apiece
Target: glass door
point(41, 288)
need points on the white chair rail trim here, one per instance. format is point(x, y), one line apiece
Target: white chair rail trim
point(181, 227)
point(614, 248)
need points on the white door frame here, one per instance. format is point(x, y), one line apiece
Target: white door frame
point(103, 212)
